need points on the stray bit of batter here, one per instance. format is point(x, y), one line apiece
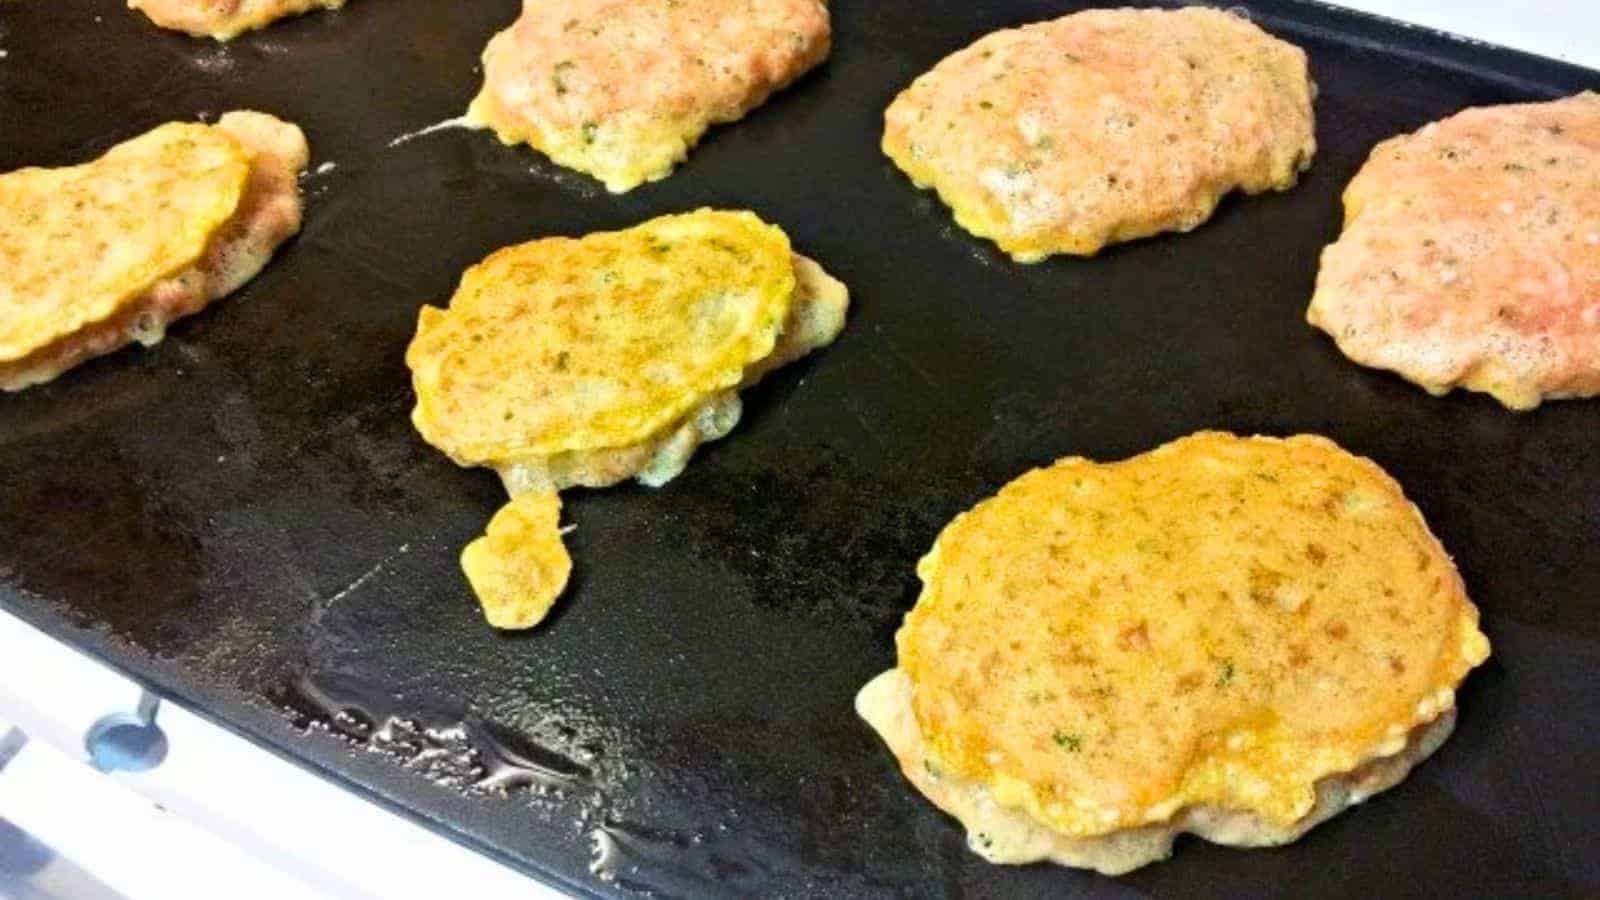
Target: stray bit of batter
point(520, 566)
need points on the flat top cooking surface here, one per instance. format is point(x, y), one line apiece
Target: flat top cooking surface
point(244, 518)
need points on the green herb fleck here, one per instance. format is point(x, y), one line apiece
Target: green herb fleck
point(933, 771)
point(558, 76)
point(984, 104)
point(729, 248)
point(1071, 743)
point(1225, 676)
point(589, 130)
point(1045, 142)
point(562, 359)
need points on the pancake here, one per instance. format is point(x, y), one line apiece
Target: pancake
point(1104, 126)
point(565, 344)
point(96, 256)
point(1234, 637)
point(621, 89)
point(587, 361)
point(224, 19)
point(1470, 255)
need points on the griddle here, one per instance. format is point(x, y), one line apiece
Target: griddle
point(243, 519)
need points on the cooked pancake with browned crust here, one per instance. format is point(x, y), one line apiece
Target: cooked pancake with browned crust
point(1234, 637)
point(1104, 126)
point(586, 361)
point(224, 19)
point(96, 256)
point(622, 89)
point(1470, 255)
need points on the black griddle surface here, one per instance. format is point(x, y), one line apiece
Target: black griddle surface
point(244, 519)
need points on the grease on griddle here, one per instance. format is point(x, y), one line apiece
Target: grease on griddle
point(460, 751)
point(456, 750)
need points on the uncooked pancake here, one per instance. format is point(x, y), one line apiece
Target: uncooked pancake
point(1236, 637)
point(224, 19)
point(1104, 126)
point(1470, 255)
point(96, 256)
point(621, 89)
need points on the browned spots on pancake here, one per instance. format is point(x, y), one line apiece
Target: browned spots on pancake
point(1264, 634)
point(1135, 638)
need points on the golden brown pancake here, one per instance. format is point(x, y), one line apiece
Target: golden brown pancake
point(1235, 637)
point(96, 256)
point(1471, 255)
point(621, 89)
point(586, 361)
point(224, 19)
point(1104, 126)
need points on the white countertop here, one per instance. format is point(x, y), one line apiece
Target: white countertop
point(1563, 29)
point(220, 811)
